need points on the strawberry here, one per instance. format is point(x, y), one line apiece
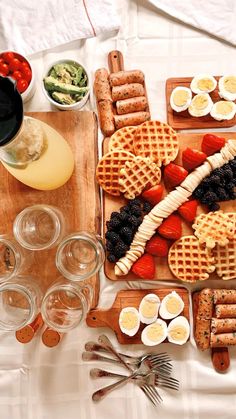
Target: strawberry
point(153, 195)
point(192, 158)
point(144, 267)
point(171, 228)
point(174, 174)
point(188, 210)
point(157, 246)
point(212, 143)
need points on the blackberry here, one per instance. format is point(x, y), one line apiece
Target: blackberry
point(124, 216)
point(126, 234)
point(120, 249)
point(209, 198)
point(135, 202)
point(147, 207)
point(112, 236)
point(115, 214)
point(114, 223)
point(111, 258)
point(222, 194)
point(228, 174)
point(199, 192)
point(109, 228)
point(215, 179)
point(134, 221)
point(205, 183)
point(232, 194)
point(125, 208)
point(214, 206)
point(136, 210)
point(230, 186)
point(232, 164)
point(219, 172)
point(109, 246)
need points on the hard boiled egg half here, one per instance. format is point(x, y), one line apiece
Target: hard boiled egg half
point(203, 83)
point(200, 105)
point(223, 110)
point(171, 306)
point(227, 87)
point(148, 308)
point(180, 98)
point(154, 333)
point(129, 321)
point(178, 330)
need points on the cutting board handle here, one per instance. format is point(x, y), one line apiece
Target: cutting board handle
point(220, 359)
point(99, 318)
point(115, 61)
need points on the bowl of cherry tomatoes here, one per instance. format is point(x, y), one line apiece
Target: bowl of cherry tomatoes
point(17, 67)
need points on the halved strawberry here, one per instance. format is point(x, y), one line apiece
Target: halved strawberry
point(174, 174)
point(192, 158)
point(188, 210)
point(153, 195)
point(157, 246)
point(212, 143)
point(144, 267)
point(171, 228)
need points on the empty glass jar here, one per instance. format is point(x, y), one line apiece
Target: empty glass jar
point(13, 258)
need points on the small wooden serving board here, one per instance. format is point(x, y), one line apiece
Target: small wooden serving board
point(131, 298)
point(111, 203)
point(183, 120)
point(78, 198)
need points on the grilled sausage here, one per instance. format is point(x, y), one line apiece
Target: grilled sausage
point(127, 91)
point(133, 104)
point(223, 296)
point(106, 117)
point(135, 118)
point(205, 307)
point(224, 311)
point(222, 340)
point(202, 333)
point(102, 87)
point(223, 325)
point(123, 77)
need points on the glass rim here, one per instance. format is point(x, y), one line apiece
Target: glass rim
point(49, 209)
point(17, 257)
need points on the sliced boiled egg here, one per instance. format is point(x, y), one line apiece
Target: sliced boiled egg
point(154, 333)
point(200, 105)
point(180, 98)
point(203, 83)
point(224, 109)
point(227, 87)
point(171, 306)
point(148, 308)
point(178, 330)
point(129, 321)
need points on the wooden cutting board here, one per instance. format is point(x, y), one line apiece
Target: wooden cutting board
point(78, 198)
point(131, 298)
point(111, 203)
point(183, 120)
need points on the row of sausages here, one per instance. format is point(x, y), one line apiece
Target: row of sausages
point(121, 99)
point(215, 323)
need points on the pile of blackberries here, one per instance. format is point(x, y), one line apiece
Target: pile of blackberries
point(218, 186)
point(122, 227)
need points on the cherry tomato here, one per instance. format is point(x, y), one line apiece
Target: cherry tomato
point(4, 69)
point(22, 85)
point(27, 74)
point(8, 56)
point(14, 64)
point(17, 75)
point(2, 60)
point(24, 65)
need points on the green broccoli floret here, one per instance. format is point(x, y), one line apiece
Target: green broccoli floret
point(52, 84)
point(63, 98)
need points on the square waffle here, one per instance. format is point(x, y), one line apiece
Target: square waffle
point(156, 140)
point(213, 228)
point(225, 257)
point(122, 139)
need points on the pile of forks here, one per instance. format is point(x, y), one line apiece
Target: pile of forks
point(148, 371)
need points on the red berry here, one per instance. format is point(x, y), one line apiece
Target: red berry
point(8, 56)
point(171, 228)
point(188, 210)
point(212, 143)
point(153, 195)
point(21, 85)
point(174, 174)
point(14, 64)
point(17, 75)
point(4, 69)
point(144, 267)
point(192, 158)
point(157, 246)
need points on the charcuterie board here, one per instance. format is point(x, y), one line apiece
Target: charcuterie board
point(111, 203)
point(130, 298)
point(183, 120)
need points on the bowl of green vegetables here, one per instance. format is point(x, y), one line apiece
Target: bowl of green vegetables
point(66, 84)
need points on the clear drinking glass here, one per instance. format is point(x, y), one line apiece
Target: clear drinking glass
point(39, 227)
point(13, 258)
point(66, 304)
point(20, 300)
point(80, 255)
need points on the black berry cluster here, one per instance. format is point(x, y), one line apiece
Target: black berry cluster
point(218, 186)
point(122, 227)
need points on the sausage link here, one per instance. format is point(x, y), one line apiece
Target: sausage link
point(123, 77)
point(133, 104)
point(205, 308)
point(225, 310)
point(126, 91)
point(202, 333)
point(223, 325)
point(106, 117)
point(222, 340)
point(223, 296)
point(135, 118)
point(102, 87)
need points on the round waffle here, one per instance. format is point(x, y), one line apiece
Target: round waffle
point(190, 261)
point(122, 139)
point(136, 175)
point(156, 140)
point(108, 170)
point(225, 256)
point(213, 228)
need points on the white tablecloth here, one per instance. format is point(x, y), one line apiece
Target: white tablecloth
point(41, 383)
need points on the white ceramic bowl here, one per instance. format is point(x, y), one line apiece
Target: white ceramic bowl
point(74, 106)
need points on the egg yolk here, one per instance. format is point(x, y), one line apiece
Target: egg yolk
point(200, 102)
point(149, 308)
point(178, 333)
point(173, 305)
point(230, 84)
point(205, 84)
point(129, 320)
point(180, 97)
point(155, 332)
point(223, 108)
